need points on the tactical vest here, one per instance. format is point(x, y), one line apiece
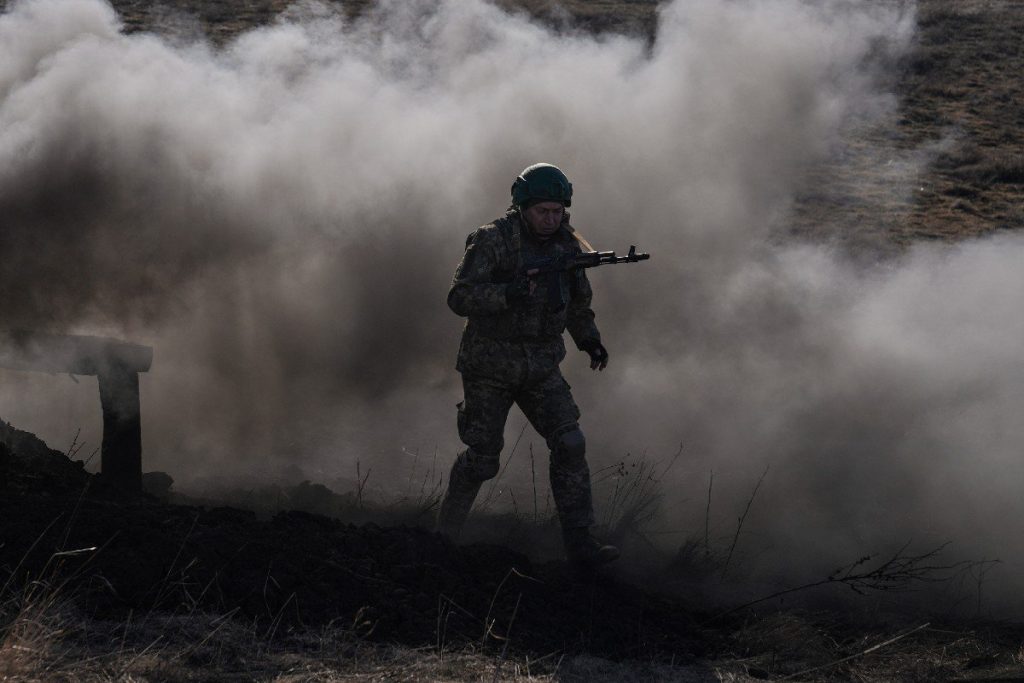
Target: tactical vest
point(543, 317)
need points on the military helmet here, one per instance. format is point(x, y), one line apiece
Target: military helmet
point(541, 183)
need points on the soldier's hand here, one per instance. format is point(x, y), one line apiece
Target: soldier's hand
point(598, 355)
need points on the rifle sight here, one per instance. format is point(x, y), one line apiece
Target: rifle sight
point(631, 257)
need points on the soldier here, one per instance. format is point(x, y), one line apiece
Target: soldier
point(511, 348)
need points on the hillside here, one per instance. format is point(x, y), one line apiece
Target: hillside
point(959, 116)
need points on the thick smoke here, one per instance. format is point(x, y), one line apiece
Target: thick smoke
point(280, 218)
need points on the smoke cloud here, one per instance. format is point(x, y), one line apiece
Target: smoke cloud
point(280, 217)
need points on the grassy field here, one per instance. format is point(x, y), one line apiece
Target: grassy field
point(959, 118)
point(959, 110)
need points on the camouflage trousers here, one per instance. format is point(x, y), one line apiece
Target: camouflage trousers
point(548, 404)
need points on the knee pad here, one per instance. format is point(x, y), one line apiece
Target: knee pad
point(478, 466)
point(571, 445)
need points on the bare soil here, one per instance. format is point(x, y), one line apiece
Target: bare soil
point(94, 586)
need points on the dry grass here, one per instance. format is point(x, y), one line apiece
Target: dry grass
point(948, 164)
point(70, 647)
point(822, 647)
point(46, 635)
point(64, 645)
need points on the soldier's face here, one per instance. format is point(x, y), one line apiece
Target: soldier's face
point(544, 218)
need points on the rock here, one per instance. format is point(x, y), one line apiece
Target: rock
point(157, 484)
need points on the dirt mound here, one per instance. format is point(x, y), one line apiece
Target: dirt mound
point(27, 464)
point(402, 584)
point(298, 578)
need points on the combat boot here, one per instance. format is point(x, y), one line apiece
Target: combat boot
point(584, 552)
point(458, 501)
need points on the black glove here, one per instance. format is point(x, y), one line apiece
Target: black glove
point(598, 354)
point(517, 291)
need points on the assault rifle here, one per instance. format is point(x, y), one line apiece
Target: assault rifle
point(586, 259)
point(553, 266)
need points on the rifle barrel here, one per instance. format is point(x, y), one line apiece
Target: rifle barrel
point(589, 259)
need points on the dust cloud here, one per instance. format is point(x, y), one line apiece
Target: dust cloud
point(280, 217)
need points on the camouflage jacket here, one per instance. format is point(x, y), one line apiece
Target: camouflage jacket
point(521, 342)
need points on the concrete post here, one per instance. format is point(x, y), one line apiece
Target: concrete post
point(116, 365)
point(121, 451)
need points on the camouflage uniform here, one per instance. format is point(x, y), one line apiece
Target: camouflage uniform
point(510, 354)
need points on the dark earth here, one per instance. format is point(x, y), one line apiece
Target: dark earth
point(297, 572)
point(400, 584)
